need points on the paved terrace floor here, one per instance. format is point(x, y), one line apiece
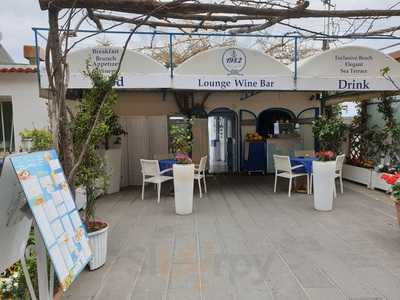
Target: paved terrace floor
point(245, 242)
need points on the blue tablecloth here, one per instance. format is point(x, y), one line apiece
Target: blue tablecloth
point(305, 161)
point(256, 160)
point(166, 164)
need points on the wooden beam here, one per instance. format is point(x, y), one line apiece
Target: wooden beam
point(216, 27)
point(183, 7)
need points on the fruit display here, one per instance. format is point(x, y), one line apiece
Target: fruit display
point(254, 137)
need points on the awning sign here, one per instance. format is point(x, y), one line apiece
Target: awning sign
point(229, 83)
point(351, 68)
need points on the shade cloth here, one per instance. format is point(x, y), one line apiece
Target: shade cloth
point(305, 161)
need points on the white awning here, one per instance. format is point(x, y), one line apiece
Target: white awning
point(138, 71)
point(350, 68)
point(232, 69)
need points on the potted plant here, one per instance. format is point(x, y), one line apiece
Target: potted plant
point(324, 180)
point(330, 132)
point(358, 170)
point(35, 140)
point(181, 145)
point(377, 182)
point(91, 171)
point(394, 181)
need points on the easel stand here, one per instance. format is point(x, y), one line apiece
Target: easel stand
point(45, 284)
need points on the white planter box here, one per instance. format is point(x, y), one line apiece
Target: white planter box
point(378, 183)
point(183, 185)
point(324, 178)
point(357, 174)
point(98, 245)
point(80, 197)
point(112, 159)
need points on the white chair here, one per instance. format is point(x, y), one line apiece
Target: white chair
point(284, 169)
point(304, 152)
point(339, 171)
point(152, 174)
point(200, 173)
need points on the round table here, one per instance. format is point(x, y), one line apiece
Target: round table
point(305, 161)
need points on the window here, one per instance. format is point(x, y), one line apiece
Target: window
point(7, 143)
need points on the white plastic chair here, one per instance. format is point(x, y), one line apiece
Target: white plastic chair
point(284, 169)
point(339, 171)
point(152, 174)
point(200, 173)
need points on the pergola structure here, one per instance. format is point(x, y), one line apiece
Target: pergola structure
point(235, 17)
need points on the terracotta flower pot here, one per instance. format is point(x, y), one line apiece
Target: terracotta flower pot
point(397, 205)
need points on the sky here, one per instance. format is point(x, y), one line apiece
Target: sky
point(17, 17)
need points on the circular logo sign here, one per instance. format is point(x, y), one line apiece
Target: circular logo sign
point(233, 60)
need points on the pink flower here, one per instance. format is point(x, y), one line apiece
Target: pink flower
point(183, 158)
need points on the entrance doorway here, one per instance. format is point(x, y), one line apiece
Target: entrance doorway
point(222, 128)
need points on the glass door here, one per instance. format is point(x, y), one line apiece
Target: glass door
point(222, 130)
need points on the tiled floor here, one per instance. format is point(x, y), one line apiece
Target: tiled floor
point(245, 242)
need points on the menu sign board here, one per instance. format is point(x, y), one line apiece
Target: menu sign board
point(50, 199)
point(106, 59)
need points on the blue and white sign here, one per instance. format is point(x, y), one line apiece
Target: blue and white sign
point(50, 199)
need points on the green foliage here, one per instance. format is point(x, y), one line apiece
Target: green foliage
point(365, 138)
point(330, 132)
point(181, 137)
point(41, 139)
point(396, 191)
point(386, 142)
point(115, 129)
point(91, 172)
point(386, 109)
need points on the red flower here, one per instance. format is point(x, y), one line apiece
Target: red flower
point(391, 179)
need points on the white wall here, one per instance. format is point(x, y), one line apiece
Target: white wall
point(29, 111)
